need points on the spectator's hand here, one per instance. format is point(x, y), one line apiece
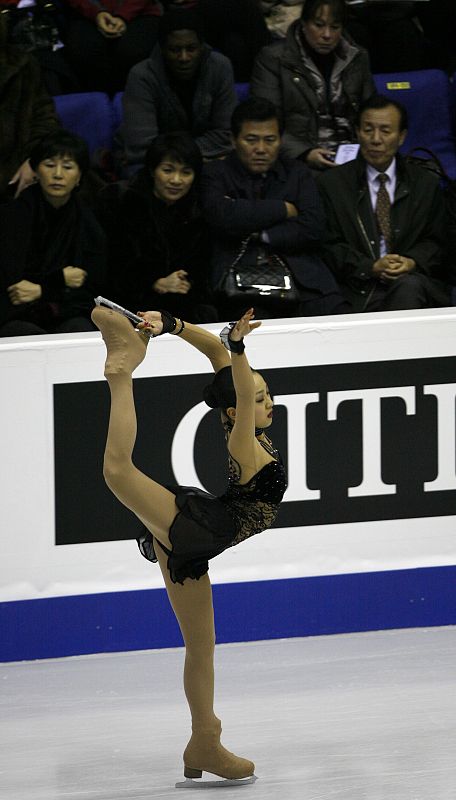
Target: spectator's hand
point(399, 265)
point(24, 292)
point(380, 266)
point(292, 211)
point(392, 266)
point(121, 25)
point(320, 158)
point(74, 277)
point(176, 282)
point(109, 26)
point(24, 177)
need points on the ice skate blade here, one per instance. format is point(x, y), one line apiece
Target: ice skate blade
point(190, 783)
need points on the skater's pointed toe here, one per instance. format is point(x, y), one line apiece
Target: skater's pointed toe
point(98, 314)
point(125, 347)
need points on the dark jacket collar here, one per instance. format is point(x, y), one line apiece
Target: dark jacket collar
point(361, 169)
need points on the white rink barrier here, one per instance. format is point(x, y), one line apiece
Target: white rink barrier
point(364, 418)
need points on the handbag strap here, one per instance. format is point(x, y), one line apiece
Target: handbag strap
point(433, 157)
point(244, 245)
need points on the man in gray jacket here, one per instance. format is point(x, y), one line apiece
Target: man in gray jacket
point(183, 85)
point(317, 78)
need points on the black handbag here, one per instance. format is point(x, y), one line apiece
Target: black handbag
point(267, 279)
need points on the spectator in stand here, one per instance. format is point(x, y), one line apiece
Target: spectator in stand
point(385, 219)
point(262, 205)
point(234, 27)
point(390, 33)
point(317, 78)
point(104, 41)
point(26, 112)
point(183, 85)
point(52, 249)
point(158, 242)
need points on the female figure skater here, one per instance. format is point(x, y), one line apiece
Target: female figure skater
point(186, 527)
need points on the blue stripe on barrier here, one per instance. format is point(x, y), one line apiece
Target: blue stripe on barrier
point(136, 620)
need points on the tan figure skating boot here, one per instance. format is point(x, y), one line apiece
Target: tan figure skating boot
point(125, 347)
point(205, 753)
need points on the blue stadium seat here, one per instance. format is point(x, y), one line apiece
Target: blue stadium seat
point(242, 91)
point(117, 110)
point(427, 97)
point(89, 115)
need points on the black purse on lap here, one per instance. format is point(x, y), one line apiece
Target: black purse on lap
point(267, 278)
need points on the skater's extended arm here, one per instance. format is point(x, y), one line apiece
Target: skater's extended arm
point(243, 445)
point(208, 344)
point(198, 337)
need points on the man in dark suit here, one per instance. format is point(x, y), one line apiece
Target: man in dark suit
point(385, 219)
point(259, 203)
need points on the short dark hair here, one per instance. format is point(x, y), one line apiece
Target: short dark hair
point(177, 145)
point(378, 101)
point(180, 20)
point(254, 109)
point(338, 9)
point(61, 143)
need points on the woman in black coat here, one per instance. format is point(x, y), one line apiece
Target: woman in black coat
point(158, 244)
point(52, 249)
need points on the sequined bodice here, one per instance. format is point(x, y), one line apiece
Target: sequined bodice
point(255, 504)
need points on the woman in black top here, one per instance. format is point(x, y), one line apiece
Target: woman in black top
point(187, 527)
point(52, 249)
point(158, 242)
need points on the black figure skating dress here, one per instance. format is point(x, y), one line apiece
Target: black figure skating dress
point(207, 525)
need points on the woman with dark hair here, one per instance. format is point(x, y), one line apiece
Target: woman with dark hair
point(317, 78)
point(158, 245)
point(186, 527)
point(52, 249)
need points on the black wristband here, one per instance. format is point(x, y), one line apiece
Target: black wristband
point(169, 322)
point(234, 347)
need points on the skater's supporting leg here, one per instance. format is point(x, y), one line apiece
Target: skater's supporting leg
point(192, 605)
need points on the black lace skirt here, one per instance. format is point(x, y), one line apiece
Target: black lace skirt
point(201, 530)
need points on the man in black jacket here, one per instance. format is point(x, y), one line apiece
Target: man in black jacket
point(182, 86)
point(385, 219)
point(259, 203)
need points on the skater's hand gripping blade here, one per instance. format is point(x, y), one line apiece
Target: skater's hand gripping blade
point(190, 783)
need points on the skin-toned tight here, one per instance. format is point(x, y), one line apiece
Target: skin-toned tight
point(155, 506)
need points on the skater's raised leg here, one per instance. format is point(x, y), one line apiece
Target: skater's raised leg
point(152, 503)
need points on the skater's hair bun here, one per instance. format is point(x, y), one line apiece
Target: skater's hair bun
point(221, 393)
